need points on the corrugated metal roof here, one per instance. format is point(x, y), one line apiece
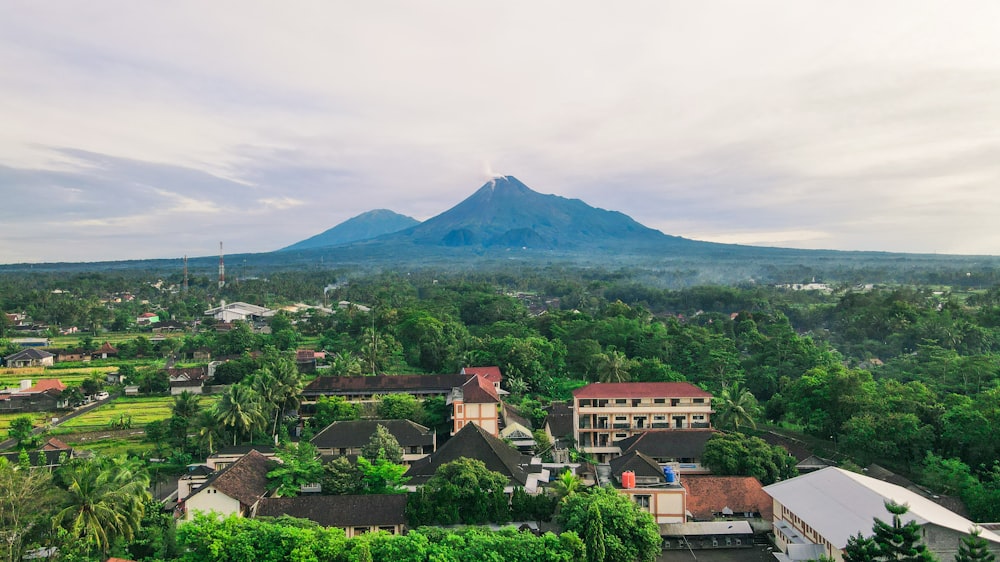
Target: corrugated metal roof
point(838, 504)
point(641, 390)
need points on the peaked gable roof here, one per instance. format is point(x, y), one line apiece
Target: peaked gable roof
point(669, 443)
point(44, 385)
point(492, 374)
point(638, 463)
point(107, 348)
point(478, 390)
point(30, 353)
point(560, 420)
point(641, 390)
point(708, 495)
point(245, 480)
point(838, 504)
point(357, 433)
point(474, 442)
point(340, 511)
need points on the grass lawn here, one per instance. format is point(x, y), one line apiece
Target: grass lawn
point(142, 409)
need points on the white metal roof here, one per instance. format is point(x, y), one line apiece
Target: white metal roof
point(838, 504)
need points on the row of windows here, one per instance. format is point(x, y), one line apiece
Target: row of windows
point(636, 402)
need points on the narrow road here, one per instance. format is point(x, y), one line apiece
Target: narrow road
point(4, 445)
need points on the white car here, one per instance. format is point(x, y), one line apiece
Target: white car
point(101, 396)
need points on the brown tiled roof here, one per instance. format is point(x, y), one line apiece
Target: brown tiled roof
point(492, 374)
point(414, 384)
point(794, 447)
point(641, 390)
point(188, 373)
point(357, 433)
point(512, 415)
point(478, 390)
point(474, 442)
point(47, 384)
point(245, 480)
point(711, 494)
point(107, 348)
point(669, 443)
point(339, 511)
point(54, 444)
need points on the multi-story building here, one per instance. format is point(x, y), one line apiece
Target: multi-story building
point(605, 413)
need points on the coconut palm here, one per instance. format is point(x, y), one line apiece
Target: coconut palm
point(105, 501)
point(207, 431)
point(239, 410)
point(186, 404)
point(566, 485)
point(734, 407)
point(613, 366)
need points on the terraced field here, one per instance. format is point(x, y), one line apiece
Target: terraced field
point(70, 377)
point(40, 419)
point(140, 409)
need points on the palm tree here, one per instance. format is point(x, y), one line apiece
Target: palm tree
point(613, 366)
point(186, 405)
point(106, 500)
point(207, 432)
point(736, 406)
point(566, 485)
point(289, 383)
point(240, 410)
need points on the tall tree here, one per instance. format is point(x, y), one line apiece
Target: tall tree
point(105, 501)
point(735, 406)
point(382, 445)
point(593, 535)
point(239, 410)
point(26, 504)
point(299, 466)
point(630, 532)
point(899, 541)
point(186, 405)
point(974, 548)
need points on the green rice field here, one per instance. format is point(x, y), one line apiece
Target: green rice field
point(141, 409)
point(70, 377)
point(41, 418)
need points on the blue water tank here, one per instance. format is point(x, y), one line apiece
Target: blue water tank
point(668, 473)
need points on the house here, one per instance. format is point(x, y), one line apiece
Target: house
point(44, 396)
point(167, 326)
point(354, 514)
point(517, 430)
point(727, 497)
point(476, 401)
point(147, 318)
point(51, 455)
point(559, 429)
point(654, 488)
point(492, 374)
point(194, 478)
point(240, 311)
point(475, 442)
point(348, 437)
point(64, 355)
point(815, 514)
point(29, 357)
point(237, 489)
point(106, 351)
point(681, 446)
point(228, 456)
point(305, 360)
point(191, 379)
point(604, 413)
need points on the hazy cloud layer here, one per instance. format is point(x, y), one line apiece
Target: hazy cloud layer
point(131, 130)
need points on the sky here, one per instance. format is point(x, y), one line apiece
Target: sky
point(133, 130)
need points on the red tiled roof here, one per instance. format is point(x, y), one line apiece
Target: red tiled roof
point(47, 384)
point(708, 495)
point(106, 348)
point(641, 390)
point(54, 444)
point(478, 390)
point(492, 374)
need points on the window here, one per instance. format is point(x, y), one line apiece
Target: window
point(642, 501)
point(675, 401)
point(621, 418)
point(390, 529)
point(459, 409)
point(360, 530)
point(584, 403)
point(659, 400)
point(620, 401)
point(699, 400)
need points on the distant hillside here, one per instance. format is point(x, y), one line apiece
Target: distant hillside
point(362, 227)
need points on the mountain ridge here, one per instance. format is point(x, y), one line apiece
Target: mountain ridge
point(367, 225)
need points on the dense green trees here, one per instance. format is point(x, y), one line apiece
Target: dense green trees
point(742, 455)
point(461, 491)
point(606, 518)
point(889, 541)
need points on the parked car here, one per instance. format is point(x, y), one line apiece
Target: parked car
point(101, 396)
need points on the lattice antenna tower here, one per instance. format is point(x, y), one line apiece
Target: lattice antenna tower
point(222, 268)
point(185, 288)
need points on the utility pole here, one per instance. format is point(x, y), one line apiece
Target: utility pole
point(222, 268)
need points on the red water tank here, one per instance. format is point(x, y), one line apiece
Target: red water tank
point(628, 479)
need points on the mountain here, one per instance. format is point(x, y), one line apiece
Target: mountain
point(505, 213)
point(362, 227)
